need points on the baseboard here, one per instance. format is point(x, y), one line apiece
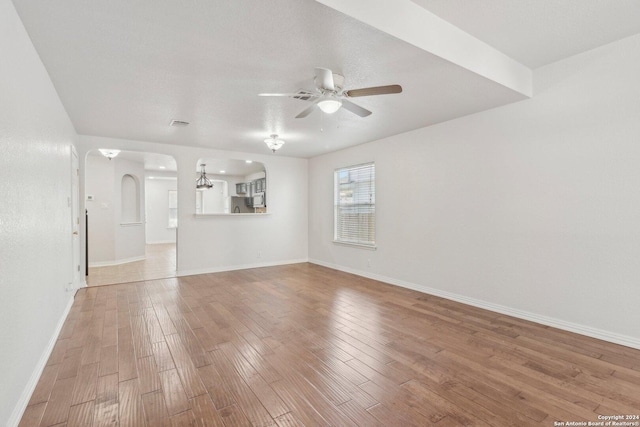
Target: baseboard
point(116, 262)
point(238, 267)
point(520, 314)
point(20, 407)
point(160, 242)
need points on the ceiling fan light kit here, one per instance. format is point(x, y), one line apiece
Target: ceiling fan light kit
point(329, 105)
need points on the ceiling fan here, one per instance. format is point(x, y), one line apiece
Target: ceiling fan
point(329, 95)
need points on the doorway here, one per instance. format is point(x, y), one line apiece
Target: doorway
point(74, 201)
point(131, 202)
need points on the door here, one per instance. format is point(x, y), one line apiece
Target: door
point(75, 219)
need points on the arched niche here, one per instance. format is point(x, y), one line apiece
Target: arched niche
point(129, 199)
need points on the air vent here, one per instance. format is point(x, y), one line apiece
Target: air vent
point(303, 95)
point(179, 123)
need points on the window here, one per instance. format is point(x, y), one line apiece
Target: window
point(355, 205)
point(173, 209)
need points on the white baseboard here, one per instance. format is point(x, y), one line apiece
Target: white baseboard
point(238, 267)
point(20, 407)
point(116, 262)
point(520, 314)
point(160, 242)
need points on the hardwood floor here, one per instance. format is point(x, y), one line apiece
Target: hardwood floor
point(160, 263)
point(305, 345)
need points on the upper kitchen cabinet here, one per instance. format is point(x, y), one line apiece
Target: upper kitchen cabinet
point(260, 185)
point(242, 188)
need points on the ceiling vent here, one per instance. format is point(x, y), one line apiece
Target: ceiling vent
point(179, 123)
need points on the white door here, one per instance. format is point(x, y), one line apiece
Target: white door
point(75, 219)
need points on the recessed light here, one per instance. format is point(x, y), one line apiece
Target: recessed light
point(152, 177)
point(162, 167)
point(222, 171)
point(248, 161)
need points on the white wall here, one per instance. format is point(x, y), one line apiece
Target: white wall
point(100, 184)
point(157, 209)
point(129, 236)
point(531, 209)
point(35, 218)
point(112, 240)
point(224, 242)
point(216, 198)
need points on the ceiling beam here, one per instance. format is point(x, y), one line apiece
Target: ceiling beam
point(415, 25)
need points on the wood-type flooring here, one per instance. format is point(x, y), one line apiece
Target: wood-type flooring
point(160, 263)
point(304, 345)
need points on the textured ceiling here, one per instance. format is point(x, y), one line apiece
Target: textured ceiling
point(539, 32)
point(126, 69)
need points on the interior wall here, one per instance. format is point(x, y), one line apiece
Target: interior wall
point(36, 137)
point(130, 237)
point(112, 240)
point(530, 209)
point(225, 242)
point(157, 210)
point(216, 198)
point(100, 186)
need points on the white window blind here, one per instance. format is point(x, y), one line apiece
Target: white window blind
point(355, 205)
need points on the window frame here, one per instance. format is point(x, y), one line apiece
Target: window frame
point(366, 231)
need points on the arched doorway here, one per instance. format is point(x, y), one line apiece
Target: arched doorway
point(131, 204)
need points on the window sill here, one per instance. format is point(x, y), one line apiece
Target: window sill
point(356, 245)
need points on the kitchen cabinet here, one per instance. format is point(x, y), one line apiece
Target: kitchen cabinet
point(260, 185)
point(241, 188)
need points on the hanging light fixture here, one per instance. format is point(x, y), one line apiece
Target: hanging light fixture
point(203, 182)
point(108, 153)
point(274, 143)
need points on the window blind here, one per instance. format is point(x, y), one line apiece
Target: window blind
point(355, 205)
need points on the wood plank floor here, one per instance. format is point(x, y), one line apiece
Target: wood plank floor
point(303, 345)
point(160, 263)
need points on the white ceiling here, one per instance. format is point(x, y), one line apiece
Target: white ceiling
point(539, 32)
point(125, 69)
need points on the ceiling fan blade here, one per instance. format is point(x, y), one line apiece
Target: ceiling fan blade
point(279, 94)
point(355, 109)
point(304, 113)
point(324, 79)
point(378, 90)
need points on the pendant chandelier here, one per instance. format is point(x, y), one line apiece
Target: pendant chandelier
point(274, 143)
point(108, 153)
point(203, 182)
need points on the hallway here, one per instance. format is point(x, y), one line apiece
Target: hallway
point(160, 263)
